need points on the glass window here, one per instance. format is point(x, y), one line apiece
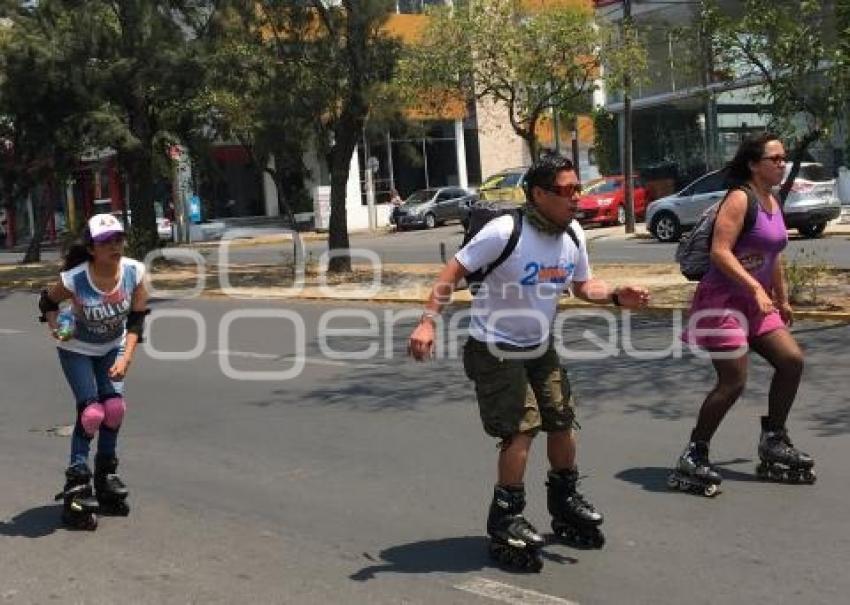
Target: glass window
point(813, 172)
point(511, 180)
point(715, 181)
point(602, 186)
point(420, 197)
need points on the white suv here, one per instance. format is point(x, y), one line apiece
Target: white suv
point(811, 203)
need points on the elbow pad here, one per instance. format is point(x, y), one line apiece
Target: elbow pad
point(46, 305)
point(136, 323)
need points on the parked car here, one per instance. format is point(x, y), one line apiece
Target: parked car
point(811, 203)
point(431, 207)
point(508, 185)
point(603, 201)
point(163, 224)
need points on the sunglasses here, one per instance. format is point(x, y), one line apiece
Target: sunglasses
point(569, 190)
point(776, 159)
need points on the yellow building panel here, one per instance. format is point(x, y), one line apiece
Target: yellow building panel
point(532, 5)
point(441, 106)
point(409, 28)
point(545, 131)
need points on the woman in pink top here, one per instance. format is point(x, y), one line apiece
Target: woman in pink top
point(741, 303)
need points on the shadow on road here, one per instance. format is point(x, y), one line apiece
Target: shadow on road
point(447, 555)
point(36, 522)
point(654, 478)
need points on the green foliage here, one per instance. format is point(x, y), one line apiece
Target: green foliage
point(806, 73)
point(606, 142)
point(528, 62)
point(805, 274)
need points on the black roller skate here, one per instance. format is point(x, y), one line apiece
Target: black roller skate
point(79, 506)
point(693, 472)
point(574, 519)
point(514, 542)
point(780, 460)
point(110, 490)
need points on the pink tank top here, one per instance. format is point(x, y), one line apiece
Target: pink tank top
point(757, 250)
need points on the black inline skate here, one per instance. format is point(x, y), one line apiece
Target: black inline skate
point(110, 490)
point(574, 519)
point(693, 472)
point(79, 506)
point(514, 542)
point(780, 460)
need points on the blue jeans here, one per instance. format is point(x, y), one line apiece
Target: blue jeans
point(89, 380)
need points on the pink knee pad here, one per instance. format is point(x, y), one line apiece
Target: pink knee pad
point(114, 409)
point(91, 418)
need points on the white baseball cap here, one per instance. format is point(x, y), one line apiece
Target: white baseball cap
point(104, 226)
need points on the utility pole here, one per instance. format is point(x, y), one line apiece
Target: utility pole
point(628, 167)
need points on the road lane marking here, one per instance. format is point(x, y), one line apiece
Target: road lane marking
point(506, 593)
point(9, 331)
point(296, 359)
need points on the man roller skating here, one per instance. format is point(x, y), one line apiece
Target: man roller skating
point(517, 266)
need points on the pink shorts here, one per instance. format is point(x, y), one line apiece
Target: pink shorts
point(720, 319)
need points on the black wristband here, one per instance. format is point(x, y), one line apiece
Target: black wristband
point(615, 298)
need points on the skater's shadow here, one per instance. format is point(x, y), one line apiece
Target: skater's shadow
point(36, 522)
point(448, 555)
point(654, 478)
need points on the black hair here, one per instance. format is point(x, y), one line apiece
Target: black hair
point(544, 171)
point(751, 149)
point(78, 251)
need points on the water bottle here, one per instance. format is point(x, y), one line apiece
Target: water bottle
point(66, 325)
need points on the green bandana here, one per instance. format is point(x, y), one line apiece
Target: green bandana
point(540, 222)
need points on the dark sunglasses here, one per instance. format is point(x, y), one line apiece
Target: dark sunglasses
point(569, 190)
point(776, 159)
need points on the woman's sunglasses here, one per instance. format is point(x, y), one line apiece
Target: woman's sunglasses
point(776, 159)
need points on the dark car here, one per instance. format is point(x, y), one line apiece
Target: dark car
point(431, 207)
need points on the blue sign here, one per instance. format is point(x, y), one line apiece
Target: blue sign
point(195, 208)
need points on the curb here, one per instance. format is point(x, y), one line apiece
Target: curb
point(823, 316)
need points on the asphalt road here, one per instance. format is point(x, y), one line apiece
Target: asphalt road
point(367, 481)
point(423, 246)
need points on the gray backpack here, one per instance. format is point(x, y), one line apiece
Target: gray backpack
point(694, 251)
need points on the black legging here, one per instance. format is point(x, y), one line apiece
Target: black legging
point(782, 352)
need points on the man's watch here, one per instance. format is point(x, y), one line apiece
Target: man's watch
point(615, 298)
point(432, 315)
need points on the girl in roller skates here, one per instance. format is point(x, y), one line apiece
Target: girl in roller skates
point(520, 383)
point(96, 348)
point(742, 302)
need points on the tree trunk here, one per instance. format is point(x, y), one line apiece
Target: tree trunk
point(343, 150)
point(143, 235)
point(9, 205)
point(286, 207)
point(42, 206)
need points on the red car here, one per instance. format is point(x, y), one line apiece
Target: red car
point(603, 201)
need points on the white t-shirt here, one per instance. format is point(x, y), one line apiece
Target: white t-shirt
point(101, 317)
point(518, 300)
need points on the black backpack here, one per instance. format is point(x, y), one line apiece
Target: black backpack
point(482, 213)
point(694, 250)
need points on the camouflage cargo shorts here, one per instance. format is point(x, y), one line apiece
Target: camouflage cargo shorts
point(519, 395)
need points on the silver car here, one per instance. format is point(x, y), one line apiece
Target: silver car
point(431, 207)
point(811, 203)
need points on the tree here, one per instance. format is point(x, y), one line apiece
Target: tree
point(46, 115)
point(262, 94)
point(803, 75)
point(529, 62)
point(142, 59)
point(355, 58)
